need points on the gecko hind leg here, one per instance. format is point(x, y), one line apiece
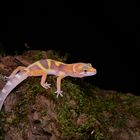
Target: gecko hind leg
point(18, 69)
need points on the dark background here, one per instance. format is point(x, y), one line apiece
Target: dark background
point(105, 34)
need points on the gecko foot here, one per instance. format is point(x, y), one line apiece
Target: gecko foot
point(6, 78)
point(59, 93)
point(46, 85)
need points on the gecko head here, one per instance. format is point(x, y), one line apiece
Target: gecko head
point(84, 69)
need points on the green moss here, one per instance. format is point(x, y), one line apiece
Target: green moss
point(53, 54)
point(135, 112)
point(27, 98)
point(101, 109)
point(38, 56)
point(83, 105)
point(2, 123)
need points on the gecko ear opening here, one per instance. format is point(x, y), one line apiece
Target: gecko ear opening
point(74, 68)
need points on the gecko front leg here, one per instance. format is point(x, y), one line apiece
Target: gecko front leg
point(43, 79)
point(59, 92)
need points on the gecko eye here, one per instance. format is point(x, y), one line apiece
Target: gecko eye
point(85, 71)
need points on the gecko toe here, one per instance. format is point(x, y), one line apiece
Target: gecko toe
point(46, 85)
point(59, 93)
point(6, 78)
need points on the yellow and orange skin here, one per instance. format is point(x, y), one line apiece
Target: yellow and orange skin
point(46, 67)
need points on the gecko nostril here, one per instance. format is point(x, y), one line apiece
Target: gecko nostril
point(95, 71)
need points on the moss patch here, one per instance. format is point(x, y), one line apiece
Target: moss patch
point(84, 112)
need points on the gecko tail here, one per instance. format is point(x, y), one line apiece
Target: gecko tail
point(10, 85)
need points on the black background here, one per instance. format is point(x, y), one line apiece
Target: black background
point(105, 34)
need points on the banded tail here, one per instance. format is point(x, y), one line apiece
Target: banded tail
point(10, 85)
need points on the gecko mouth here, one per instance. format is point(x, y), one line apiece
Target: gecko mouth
point(88, 73)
